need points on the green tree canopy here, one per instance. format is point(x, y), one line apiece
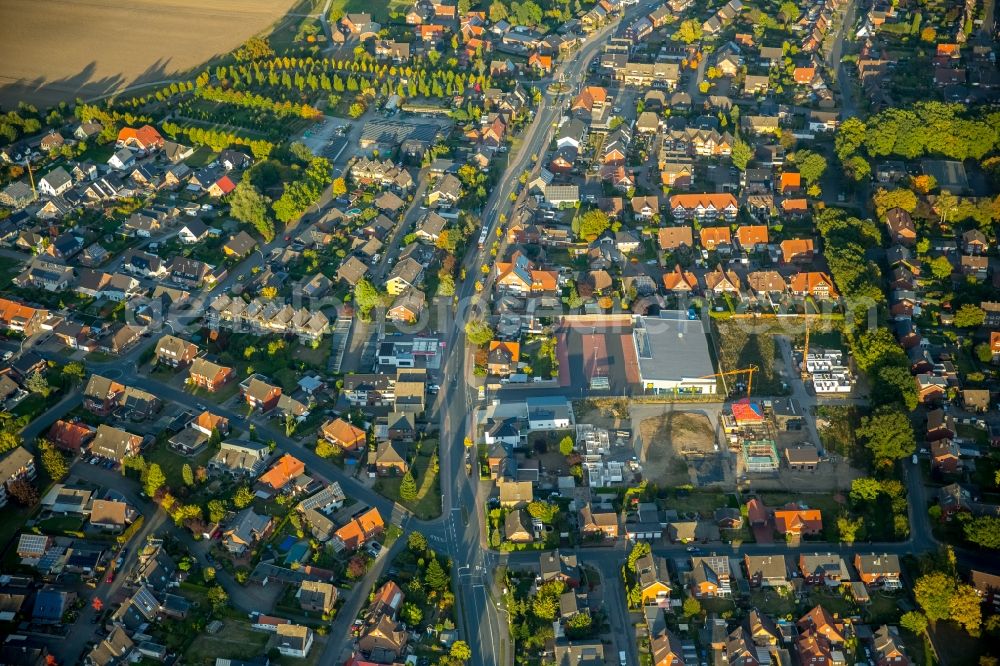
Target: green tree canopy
point(888, 435)
point(970, 316)
point(478, 332)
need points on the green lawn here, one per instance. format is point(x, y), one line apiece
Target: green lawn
point(60, 524)
point(237, 640)
point(773, 603)
point(428, 502)
point(833, 600)
point(977, 435)
point(703, 504)
point(172, 463)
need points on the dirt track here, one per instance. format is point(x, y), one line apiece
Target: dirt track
point(55, 50)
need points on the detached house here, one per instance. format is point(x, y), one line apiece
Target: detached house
point(503, 357)
point(247, 530)
point(260, 395)
point(879, 570)
point(174, 352)
point(115, 444)
point(208, 375)
point(710, 576)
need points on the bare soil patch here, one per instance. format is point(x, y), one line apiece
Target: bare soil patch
point(666, 439)
point(58, 50)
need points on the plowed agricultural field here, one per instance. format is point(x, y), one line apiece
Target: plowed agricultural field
point(58, 50)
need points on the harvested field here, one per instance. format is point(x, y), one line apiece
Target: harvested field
point(667, 438)
point(58, 50)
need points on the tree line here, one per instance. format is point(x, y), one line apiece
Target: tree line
point(257, 101)
point(219, 139)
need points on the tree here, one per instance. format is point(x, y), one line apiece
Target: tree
point(247, 204)
point(865, 489)
point(593, 223)
point(408, 487)
point(338, 188)
point(689, 31)
point(858, 168)
point(934, 591)
point(970, 316)
point(417, 543)
point(566, 445)
point(242, 497)
point(692, 607)
point(155, 479)
point(984, 353)
point(742, 153)
point(74, 371)
point(848, 529)
point(218, 597)
point(460, 650)
point(889, 435)
point(208, 574)
point(435, 577)
point(789, 11)
point(811, 165)
point(23, 492)
point(325, 449)
point(367, 296)
point(966, 608)
point(478, 332)
point(36, 383)
point(639, 551)
point(255, 48)
point(543, 511)
point(53, 462)
point(545, 607)
point(216, 511)
point(983, 531)
point(498, 11)
point(941, 268)
point(411, 614)
point(187, 474)
point(898, 198)
point(914, 622)
point(356, 567)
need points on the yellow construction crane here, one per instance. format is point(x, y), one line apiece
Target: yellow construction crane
point(749, 370)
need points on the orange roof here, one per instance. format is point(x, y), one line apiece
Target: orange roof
point(690, 201)
point(797, 520)
point(225, 184)
point(790, 179)
point(69, 435)
point(282, 472)
point(794, 205)
point(807, 282)
point(343, 433)
point(210, 421)
point(679, 279)
point(793, 247)
point(430, 29)
point(713, 236)
point(752, 234)
point(11, 310)
point(543, 61)
point(513, 347)
point(356, 531)
point(947, 49)
point(144, 136)
point(544, 280)
point(995, 341)
point(589, 96)
point(804, 74)
point(371, 521)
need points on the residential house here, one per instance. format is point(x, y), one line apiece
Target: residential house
point(115, 444)
point(259, 394)
point(283, 473)
point(317, 597)
point(345, 435)
point(239, 458)
point(653, 580)
point(797, 520)
point(823, 569)
point(503, 357)
point(246, 531)
point(766, 570)
point(174, 352)
point(710, 576)
point(704, 207)
point(16, 465)
point(208, 375)
point(674, 238)
point(879, 570)
point(101, 395)
point(360, 530)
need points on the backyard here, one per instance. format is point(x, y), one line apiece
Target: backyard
point(741, 344)
point(427, 505)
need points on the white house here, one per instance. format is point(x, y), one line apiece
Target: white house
point(55, 182)
point(122, 160)
point(549, 413)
